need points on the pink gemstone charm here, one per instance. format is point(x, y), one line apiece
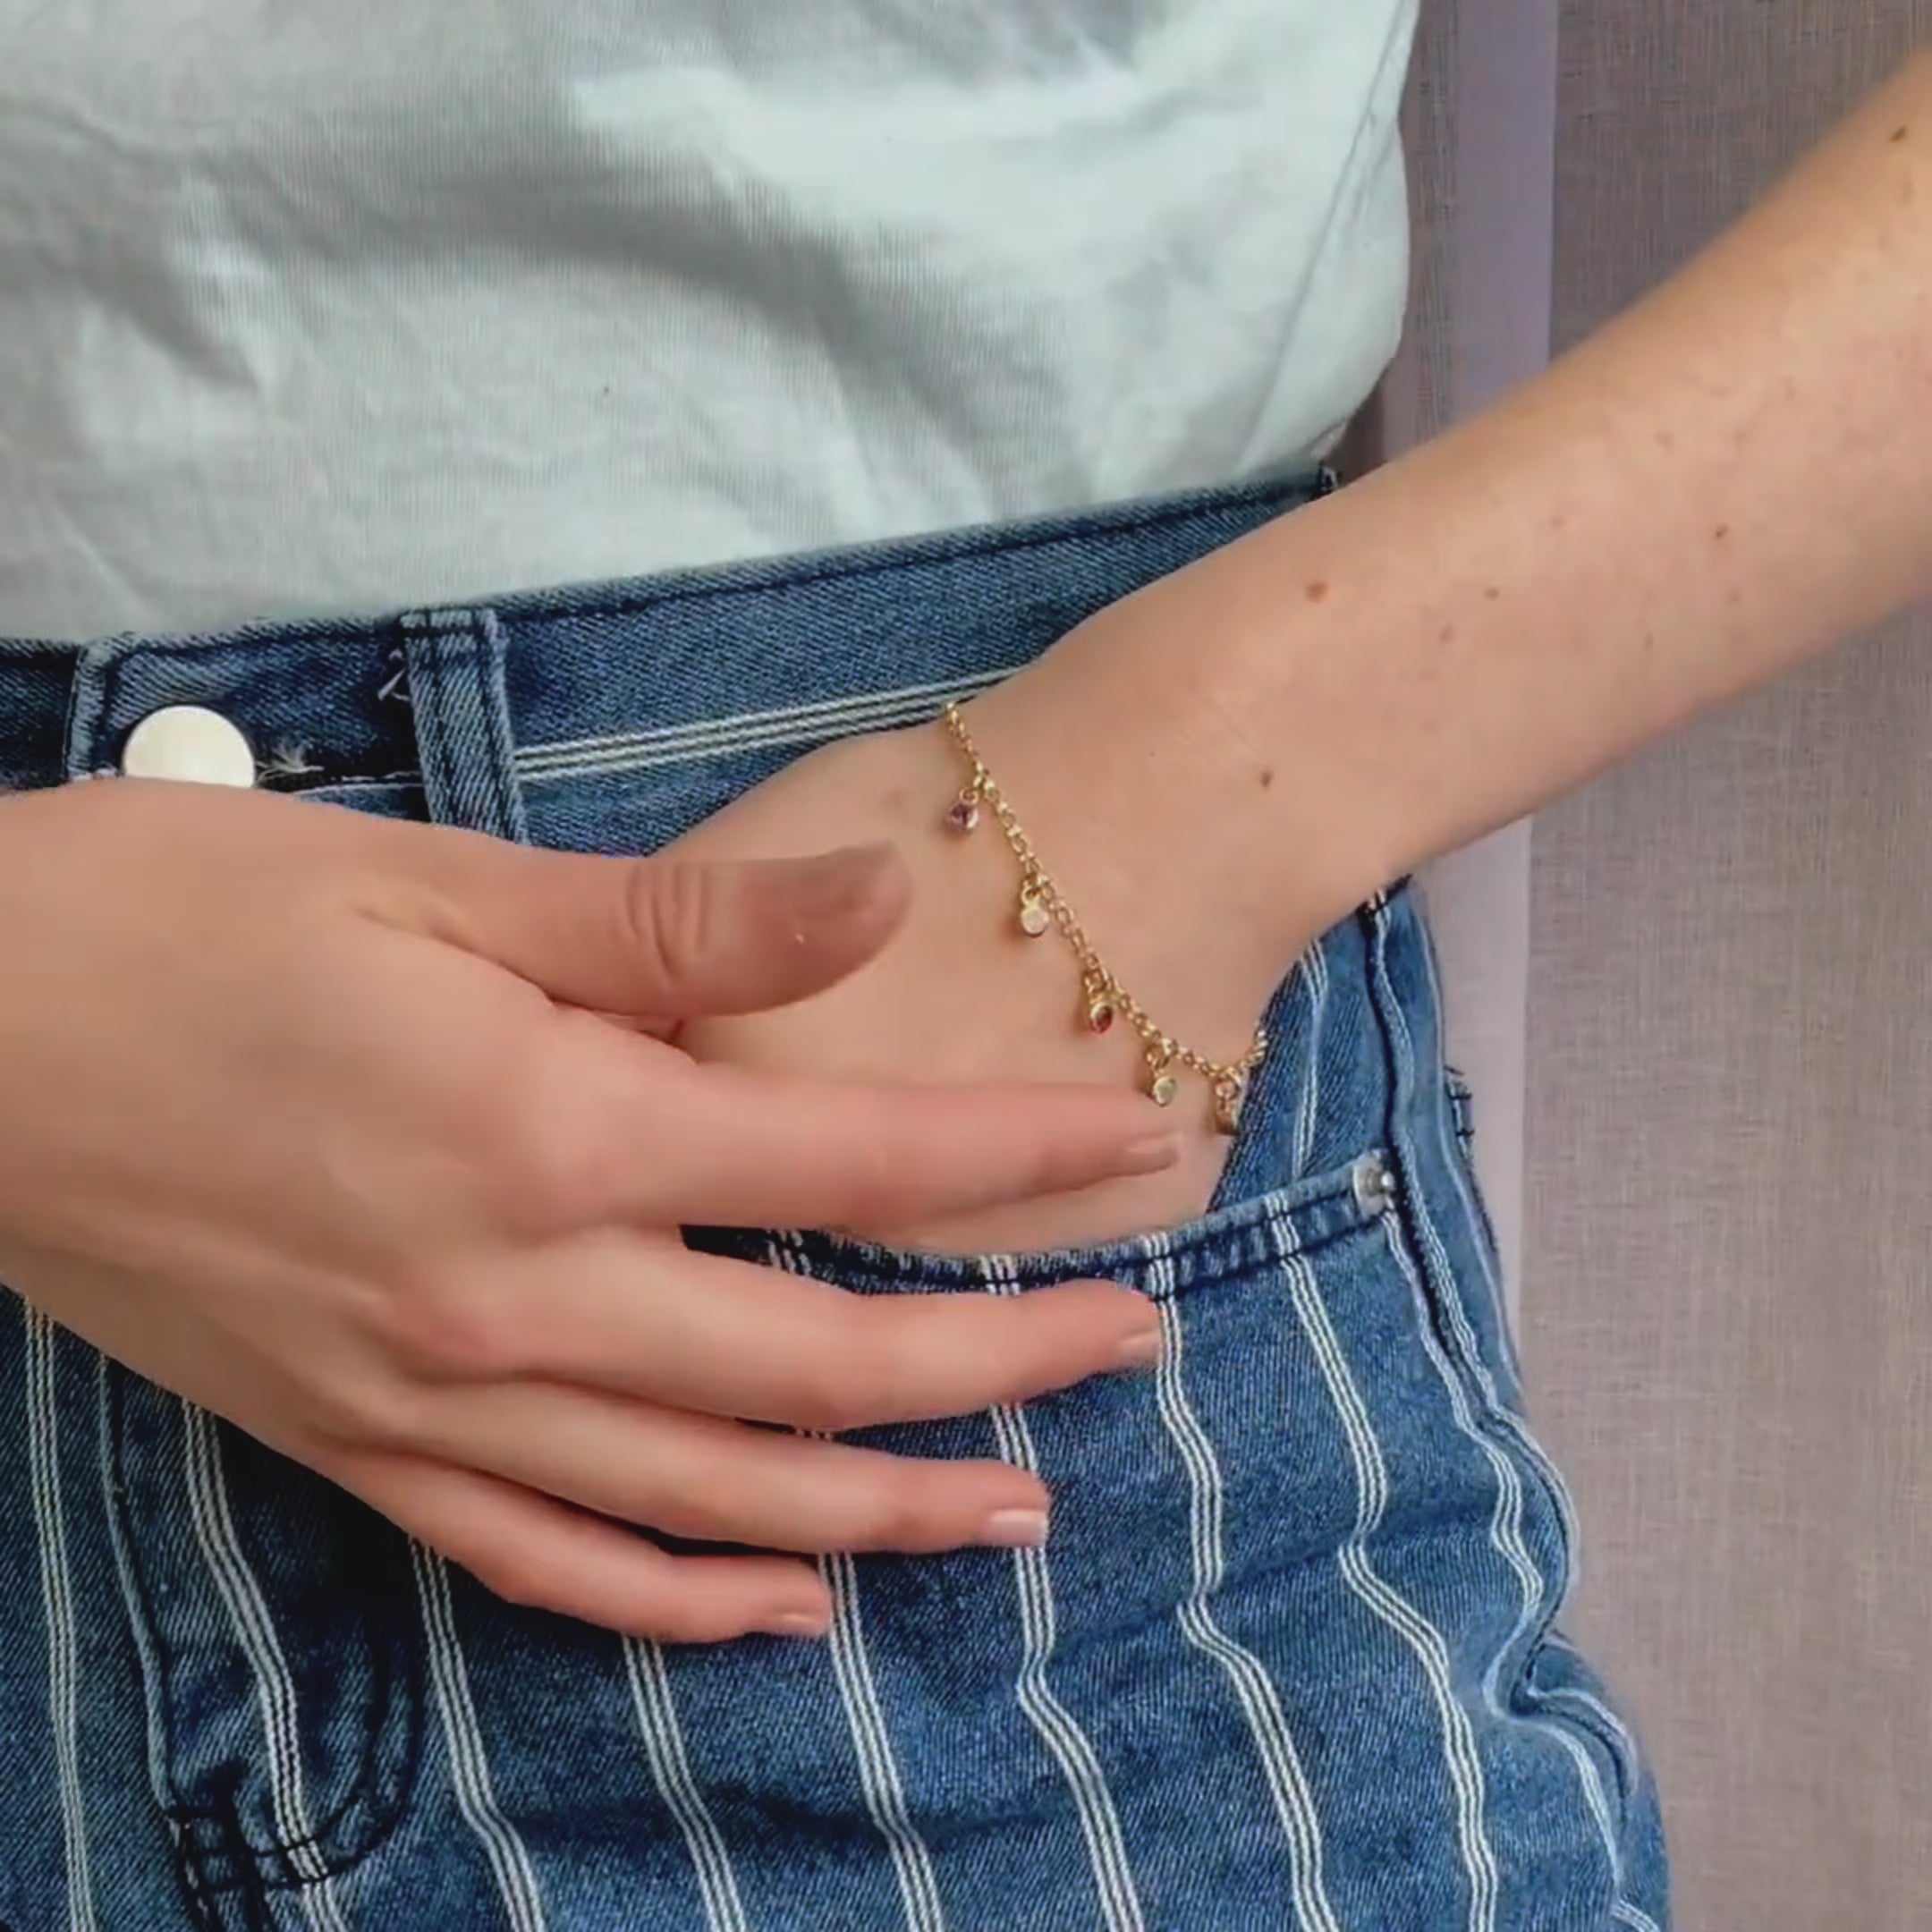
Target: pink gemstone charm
point(1100, 1016)
point(963, 813)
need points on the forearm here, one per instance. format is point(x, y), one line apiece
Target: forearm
point(1732, 477)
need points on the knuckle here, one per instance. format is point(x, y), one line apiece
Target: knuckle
point(679, 1620)
point(891, 1510)
point(544, 1157)
point(553, 1179)
point(441, 1326)
point(697, 1509)
point(563, 1140)
point(371, 1410)
point(673, 911)
point(849, 1387)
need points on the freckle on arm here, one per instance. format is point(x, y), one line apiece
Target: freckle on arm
point(1318, 590)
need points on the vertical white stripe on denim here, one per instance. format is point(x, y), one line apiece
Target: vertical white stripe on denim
point(1627, 1749)
point(1463, 1766)
point(865, 1720)
point(1506, 1532)
point(1621, 1912)
point(56, 1598)
point(1254, 1690)
point(274, 1686)
point(152, 1675)
point(664, 1745)
point(1502, 1418)
point(1517, 1554)
point(1506, 1522)
point(462, 1737)
point(879, 1774)
point(1633, 1915)
point(1315, 975)
point(1072, 1751)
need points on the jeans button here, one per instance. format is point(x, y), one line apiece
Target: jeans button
point(188, 742)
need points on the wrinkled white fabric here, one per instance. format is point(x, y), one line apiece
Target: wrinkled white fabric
point(319, 307)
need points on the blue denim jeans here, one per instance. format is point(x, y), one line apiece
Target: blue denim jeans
point(1290, 1660)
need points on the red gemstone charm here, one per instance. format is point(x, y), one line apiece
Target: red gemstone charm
point(1100, 1016)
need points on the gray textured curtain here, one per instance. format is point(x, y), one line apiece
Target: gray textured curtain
point(1480, 126)
point(1727, 1222)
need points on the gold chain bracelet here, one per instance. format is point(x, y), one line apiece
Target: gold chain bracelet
point(1042, 906)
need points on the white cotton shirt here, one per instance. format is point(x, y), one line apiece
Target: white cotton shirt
point(344, 305)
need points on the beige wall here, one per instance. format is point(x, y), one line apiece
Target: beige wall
point(1728, 1276)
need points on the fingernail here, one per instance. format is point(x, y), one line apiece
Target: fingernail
point(1015, 1529)
point(1143, 1350)
point(1150, 1156)
point(799, 1623)
point(837, 883)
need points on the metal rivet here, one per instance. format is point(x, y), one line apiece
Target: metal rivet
point(1375, 1185)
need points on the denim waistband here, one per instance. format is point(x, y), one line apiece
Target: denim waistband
point(614, 718)
point(468, 714)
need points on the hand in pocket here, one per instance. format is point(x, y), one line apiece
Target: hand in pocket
point(323, 1122)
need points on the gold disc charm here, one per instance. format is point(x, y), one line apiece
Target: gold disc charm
point(1228, 1097)
point(1034, 917)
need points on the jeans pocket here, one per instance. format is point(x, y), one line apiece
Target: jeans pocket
point(285, 1705)
point(1295, 1563)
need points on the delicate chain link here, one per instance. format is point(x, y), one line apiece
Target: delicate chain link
point(1042, 902)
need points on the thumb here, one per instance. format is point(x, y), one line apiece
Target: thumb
point(673, 938)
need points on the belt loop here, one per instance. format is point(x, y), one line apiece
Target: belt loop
point(87, 704)
point(454, 661)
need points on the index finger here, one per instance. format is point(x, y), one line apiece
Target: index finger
point(734, 1148)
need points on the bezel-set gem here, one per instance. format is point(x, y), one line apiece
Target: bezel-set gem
point(963, 813)
point(1100, 1016)
point(1034, 917)
point(1162, 1089)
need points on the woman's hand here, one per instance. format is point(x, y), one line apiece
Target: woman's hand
point(312, 1119)
point(959, 993)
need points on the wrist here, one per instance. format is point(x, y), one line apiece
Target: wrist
point(1111, 821)
point(1203, 859)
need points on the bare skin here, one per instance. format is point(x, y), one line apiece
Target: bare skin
point(446, 1276)
point(1729, 479)
point(319, 1122)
